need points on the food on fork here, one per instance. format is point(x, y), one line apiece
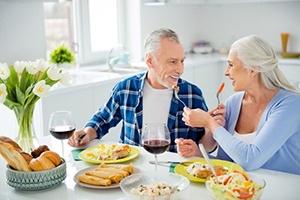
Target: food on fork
point(201, 170)
point(175, 87)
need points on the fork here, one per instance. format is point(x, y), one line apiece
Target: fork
point(176, 89)
point(219, 91)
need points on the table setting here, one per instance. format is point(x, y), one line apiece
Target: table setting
point(276, 182)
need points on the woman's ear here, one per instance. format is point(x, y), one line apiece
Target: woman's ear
point(253, 73)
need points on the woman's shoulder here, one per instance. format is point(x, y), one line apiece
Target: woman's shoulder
point(237, 96)
point(288, 97)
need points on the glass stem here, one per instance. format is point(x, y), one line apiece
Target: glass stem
point(156, 163)
point(62, 149)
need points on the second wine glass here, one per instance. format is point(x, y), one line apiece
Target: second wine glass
point(155, 139)
point(61, 126)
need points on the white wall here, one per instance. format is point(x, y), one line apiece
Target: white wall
point(222, 24)
point(22, 34)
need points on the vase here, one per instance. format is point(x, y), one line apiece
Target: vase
point(26, 136)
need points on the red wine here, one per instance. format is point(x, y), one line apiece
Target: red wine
point(156, 146)
point(62, 132)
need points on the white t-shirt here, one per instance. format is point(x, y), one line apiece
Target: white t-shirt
point(247, 138)
point(156, 104)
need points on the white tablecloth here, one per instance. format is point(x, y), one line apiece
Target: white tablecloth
point(278, 185)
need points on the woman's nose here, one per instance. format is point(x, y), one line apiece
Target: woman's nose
point(226, 72)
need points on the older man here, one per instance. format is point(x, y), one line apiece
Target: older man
point(149, 97)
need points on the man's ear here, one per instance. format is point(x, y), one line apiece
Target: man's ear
point(149, 60)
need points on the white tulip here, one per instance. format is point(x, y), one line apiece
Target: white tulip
point(4, 71)
point(3, 92)
point(32, 67)
point(41, 89)
point(19, 66)
point(43, 65)
point(54, 73)
point(66, 78)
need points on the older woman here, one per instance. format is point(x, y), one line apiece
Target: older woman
point(262, 128)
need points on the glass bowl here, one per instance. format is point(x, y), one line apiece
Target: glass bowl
point(251, 189)
point(36, 180)
point(146, 178)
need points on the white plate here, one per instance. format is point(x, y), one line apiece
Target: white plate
point(113, 185)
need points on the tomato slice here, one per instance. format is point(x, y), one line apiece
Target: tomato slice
point(243, 193)
point(245, 175)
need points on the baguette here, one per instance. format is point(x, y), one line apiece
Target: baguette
point(13, 157)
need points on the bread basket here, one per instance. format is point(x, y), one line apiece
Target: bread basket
point(36, 180)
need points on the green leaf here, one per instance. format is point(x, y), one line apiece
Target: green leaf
point(10, 104)
point(20, 96)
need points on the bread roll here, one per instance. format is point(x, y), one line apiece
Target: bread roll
point(38, 151)
point(13, 157)
point(47, 160)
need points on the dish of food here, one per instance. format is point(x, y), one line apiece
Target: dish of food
point(92, 154)
point(235, 186)
point(108, 183)
point(182, 169)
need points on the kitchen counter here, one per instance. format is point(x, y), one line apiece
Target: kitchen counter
point(85, 77)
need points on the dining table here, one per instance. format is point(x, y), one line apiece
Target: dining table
point(279, 185)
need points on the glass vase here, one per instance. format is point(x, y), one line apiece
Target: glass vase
point(26, 136)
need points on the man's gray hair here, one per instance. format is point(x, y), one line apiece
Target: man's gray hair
point(152, 40)
point(258, 55)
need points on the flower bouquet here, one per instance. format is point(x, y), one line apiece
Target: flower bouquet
point(21, 86)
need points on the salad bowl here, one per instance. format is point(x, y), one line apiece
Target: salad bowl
point(235, 186)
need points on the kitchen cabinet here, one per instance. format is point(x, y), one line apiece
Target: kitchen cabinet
point(292, 72)
point(195, 2)
point(82, 102)
point(208, 78)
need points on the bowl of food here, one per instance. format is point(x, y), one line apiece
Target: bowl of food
point(235, 186)
point(154, 185)
point(36, 180)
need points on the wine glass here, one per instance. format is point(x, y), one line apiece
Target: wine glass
point(155, 139)
point(61, 126)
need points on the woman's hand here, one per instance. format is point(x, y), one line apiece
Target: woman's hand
point(219, 114)
point(187, 147)
point(200, 118)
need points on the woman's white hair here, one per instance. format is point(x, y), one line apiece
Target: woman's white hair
point(258, 55)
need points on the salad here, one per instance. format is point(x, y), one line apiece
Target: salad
point(153, 189)
point(234, 186)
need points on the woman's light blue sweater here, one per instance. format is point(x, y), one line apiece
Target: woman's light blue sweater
point(277, 142)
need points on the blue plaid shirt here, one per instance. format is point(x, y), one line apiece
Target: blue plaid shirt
point(125, 104)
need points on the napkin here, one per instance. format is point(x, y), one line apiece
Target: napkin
point(171, 168)
point(75, 154)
